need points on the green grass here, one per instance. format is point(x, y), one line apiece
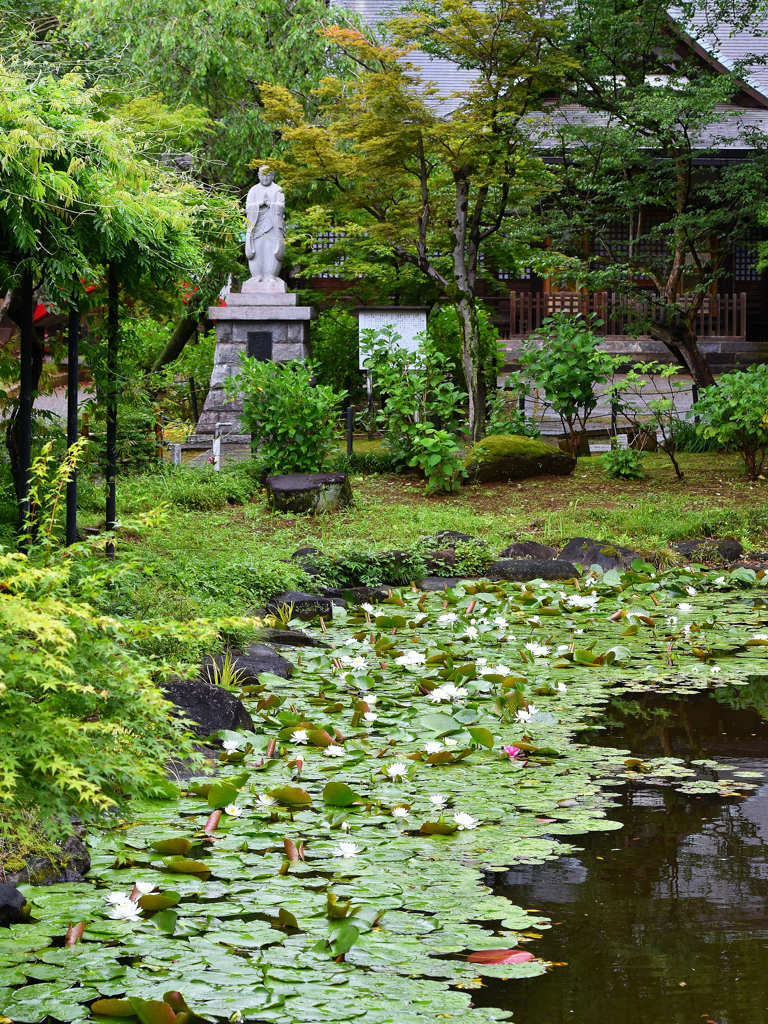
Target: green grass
point(224, 559)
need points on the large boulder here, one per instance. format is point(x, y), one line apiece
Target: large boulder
point(443, 558)
point(438, 583)
point(11, 905)
point(68, 862)
point(528, 549)
point(501, 457)
point(210, 707)
point(450, 538)
point(520, 570)
point(358, 595)
point(256, 658)
point(707, 549)
point(308, 492)
point(292, 638)
point(589, 552)
point(303, 606)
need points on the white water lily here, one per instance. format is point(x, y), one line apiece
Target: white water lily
point(438, 799)
point(446, 692)
point(117, 898)
point(447, 620)
point(433, 747)
point(481, 661)
point(760, 636)
point(535, 620)
point(685, 607)
point(347, 850)
point(233, 811)
point(411, 658)
point(231, 746)
point(128, 911)
point(370, 716)
point(400, 812)
point(545, 586)
point(367, 607)
point(582, 601)
point(561, 688)
point(398, 770)
point(578, 631)
point(300, 736)
point(495, 670)
point(144, 887)
point(500, 622)
point(715, 669)
point(265, 800)
point(345, 826)
point(562, 648)
point(370, 699)
point(471, 632)
point(524, 716)
point(334, 750)
point(671, 620)
point(691, 591)
point(450, 742)
point(358, 661)
point(465, 821)
point(720, 579)
point(537, 650)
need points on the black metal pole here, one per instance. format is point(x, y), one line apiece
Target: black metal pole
point(193, 399)
point(26, 344)
point(73, 386)
point(350, 429)
point(111, 396)
point(614, 416)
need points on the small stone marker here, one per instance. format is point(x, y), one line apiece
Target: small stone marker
point(175, 454)
point(308, 492)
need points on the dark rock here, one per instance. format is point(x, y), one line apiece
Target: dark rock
point(450, 538)
point(70, 865)
point(521, 569)
point(305, 606)
point(11, 905)
point(292, 638)
point(308, 492)
point(211, 707)
point(358, 595)
point(508, 457)
point(444, 558)
point(257, 658)
point(709, 549)
point(302, 554)
point(564, 444)
point(598, 552)
point(529, 549)
point(436, 583)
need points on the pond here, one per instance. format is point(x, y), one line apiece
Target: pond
point(667, 920)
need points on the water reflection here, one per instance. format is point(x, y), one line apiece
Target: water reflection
point(665, 921)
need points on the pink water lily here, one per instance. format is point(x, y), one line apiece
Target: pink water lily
point(512, 751)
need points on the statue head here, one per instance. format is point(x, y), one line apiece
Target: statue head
point(266, 175)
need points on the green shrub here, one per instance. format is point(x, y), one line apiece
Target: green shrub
point(376, 460)
point(335, 349)
point(622, 463)
point(445, 335)
point(294, 421)
point(688, 438)
point(735, 412)
point(508, 418)
point(82, 727)
point(438, 455)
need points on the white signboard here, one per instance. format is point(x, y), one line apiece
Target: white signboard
point(407, 323)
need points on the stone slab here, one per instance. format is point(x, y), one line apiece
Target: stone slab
point(262, 299)
point(262, 313)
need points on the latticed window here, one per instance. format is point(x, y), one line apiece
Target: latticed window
point(745, 257)
point(507, 275)
point(329, 240)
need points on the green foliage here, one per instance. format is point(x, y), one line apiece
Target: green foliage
point(564, 361)
point(688, 438)
point(82, 728)
point(293, 421)
point(509, 418)
point(439, 457)
point(622, 463)
point(444, 332)
point(374, 460)
point(735, 411)
point(335, 348)
point(418, 388)
point(186, 487)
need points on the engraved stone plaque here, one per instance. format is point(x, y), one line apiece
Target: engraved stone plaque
point(408, 322)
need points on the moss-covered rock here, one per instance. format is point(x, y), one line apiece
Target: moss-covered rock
point(512, 457)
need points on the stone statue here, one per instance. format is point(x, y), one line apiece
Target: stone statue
point(265, 239)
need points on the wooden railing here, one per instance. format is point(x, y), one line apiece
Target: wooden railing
point(720, 316)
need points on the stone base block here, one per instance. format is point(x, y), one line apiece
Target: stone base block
point(309, 492)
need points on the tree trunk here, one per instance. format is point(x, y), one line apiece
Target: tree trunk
point(470, 349)
point(185, 328)
point(682, 343)
point(16, 310)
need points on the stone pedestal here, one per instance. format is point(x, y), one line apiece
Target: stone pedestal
point(267, 325)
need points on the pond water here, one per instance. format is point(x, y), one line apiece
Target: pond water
point(665, 921)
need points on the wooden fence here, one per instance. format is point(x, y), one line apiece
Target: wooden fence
point(720, 316)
